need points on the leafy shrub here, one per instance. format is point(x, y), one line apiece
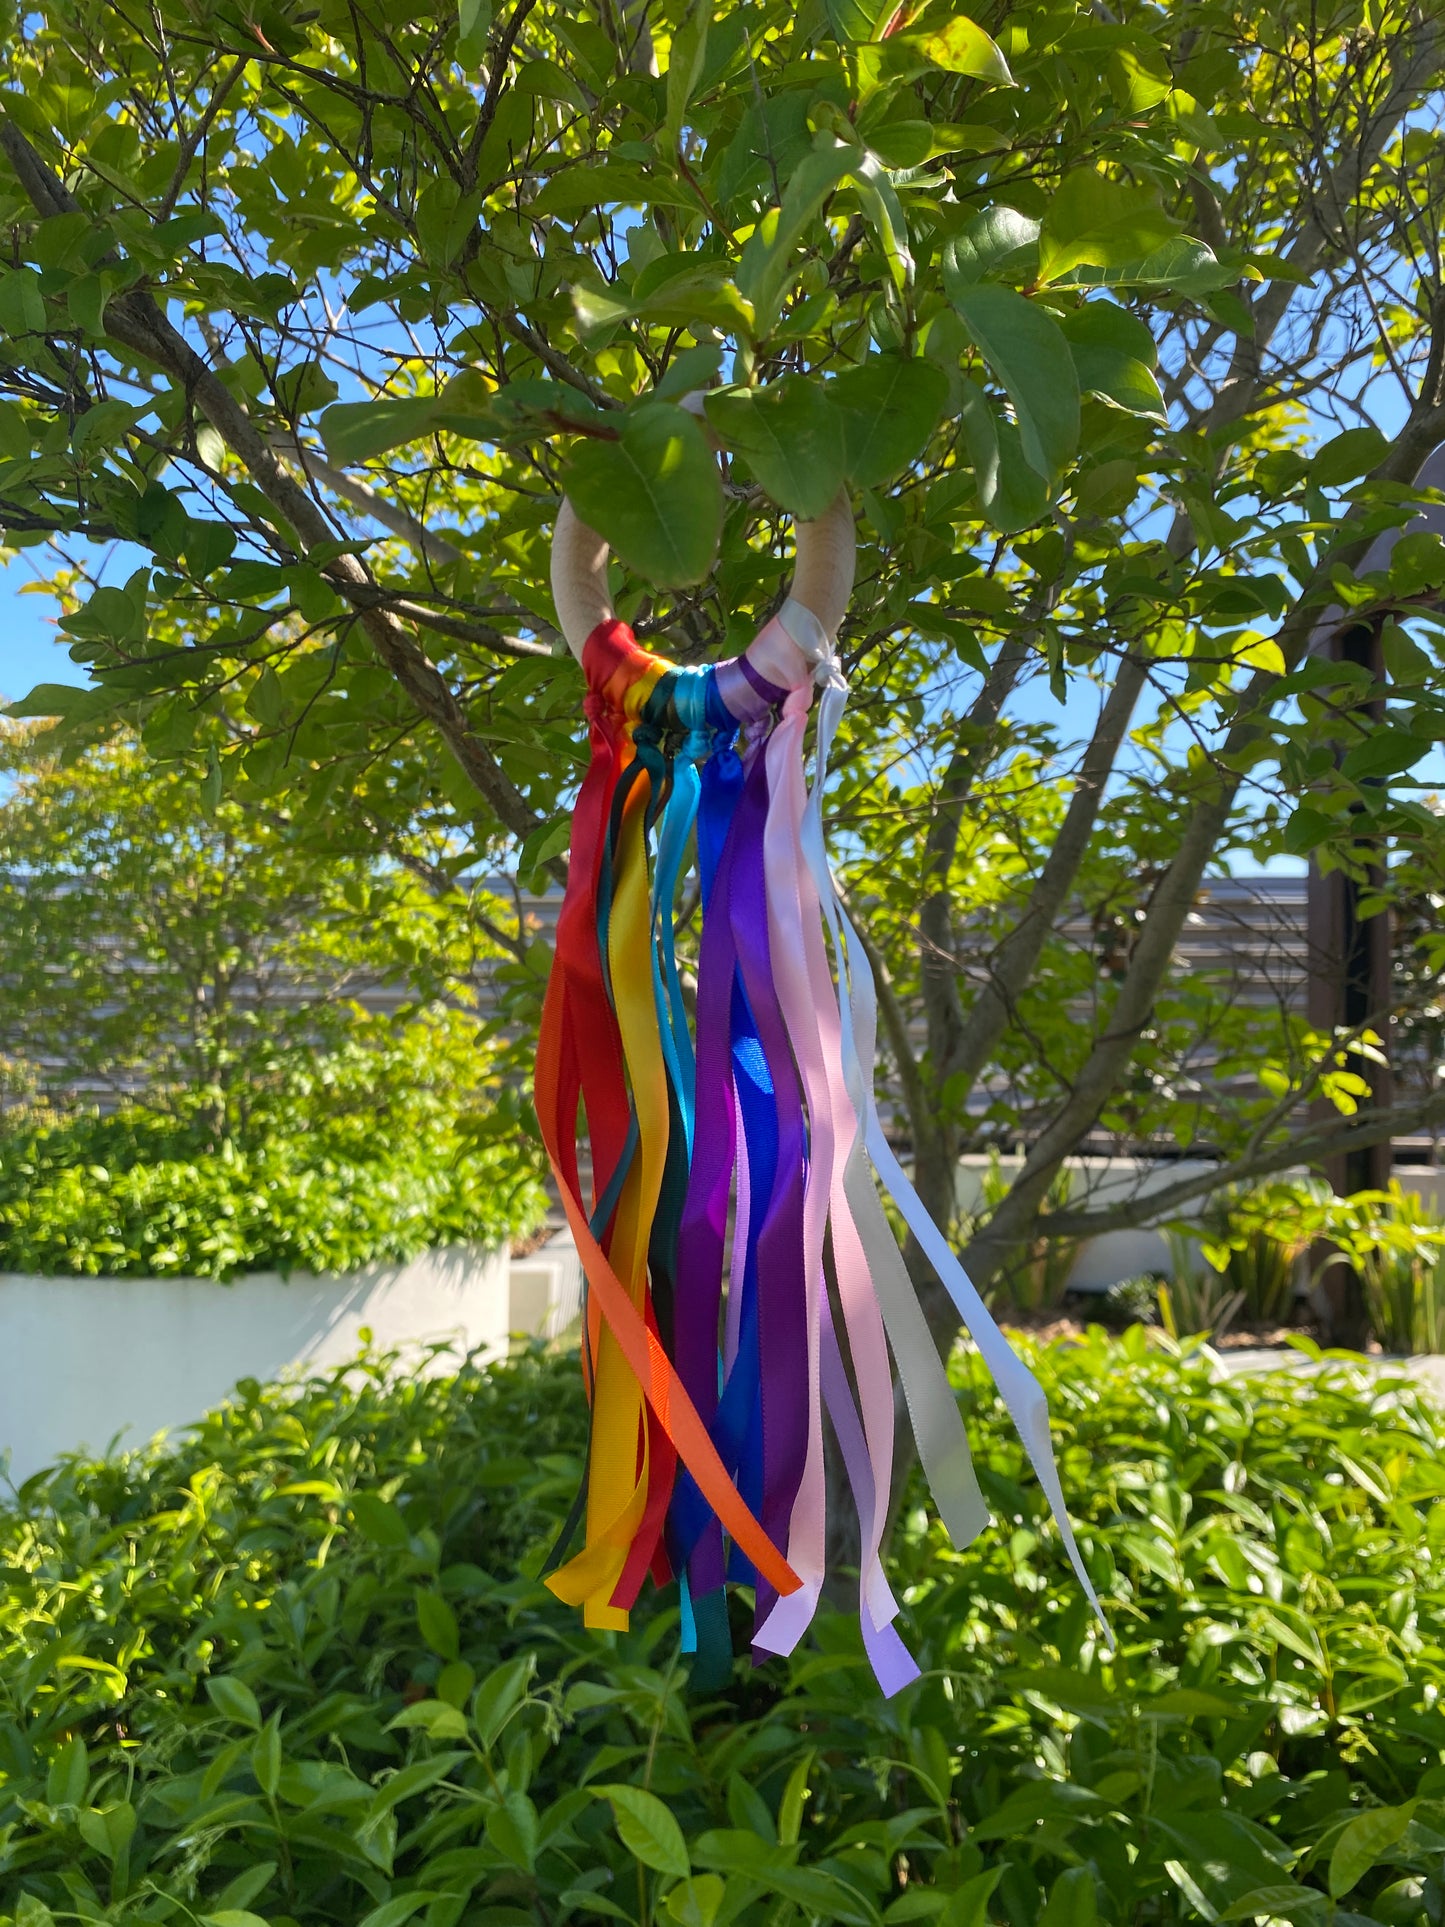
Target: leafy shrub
point(1196, 1299)
point(1257, 1237)
point(297, 1670)
point(1397, 1243)
point(1133, 1301)
point(134, 1193)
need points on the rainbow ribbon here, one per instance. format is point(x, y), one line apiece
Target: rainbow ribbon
point(728, 1155)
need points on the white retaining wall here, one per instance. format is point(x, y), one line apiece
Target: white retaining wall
point(102, 1362)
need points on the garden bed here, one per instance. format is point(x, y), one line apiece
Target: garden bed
point(311, 1638)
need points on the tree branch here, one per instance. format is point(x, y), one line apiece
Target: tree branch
point(1311, 1147)
point(1179, 886)
point(1012, 965)
point(938, 975)
point(197, 134)
point(136, 322)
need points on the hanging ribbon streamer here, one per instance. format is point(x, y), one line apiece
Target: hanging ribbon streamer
point(742, 1276)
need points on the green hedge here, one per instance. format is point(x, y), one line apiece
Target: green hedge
point(136, 1195)
point(296, 1671)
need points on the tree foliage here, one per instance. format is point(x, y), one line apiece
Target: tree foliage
point(1123, 328)
point(204, 962)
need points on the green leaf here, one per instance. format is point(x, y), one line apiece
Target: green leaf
point(85, 303)
point(884, 213)
point(438, 1624)
point(573, 190)
point(1386, 752)
point(412, 1779)
point(1073, 1900)
point(648, 1830)
point(355, 431)
point(693, 368)
point(15, 433)
point(1365, 1842)
point(438, 1719)
point(685, 63)
point(1017, 1816)
point(1286, 1901)
point(541, 845)
point(586, 1900)
point(68, 1775)
point(499, 1696)
point(400, 1908)
point(991, 239)
point(1102, 323)
point(696, 1902)
point(22, 306)
point(961, 47)
point(683, 292)
point(890, 406)
point(968, 1905)
point(791, 436)
point(233, 1917)
point(108, 1830)
point(598, 309)
point(1405, 661)
point(1114, 354)
point(266, 1756)
point(1119, 379)
point(732, 1850)
point(654, 495)
point(1027, 351)
point(512, 1830)
point(1188, 267)
point(379, 1520)
point(240, 1892)
point(790, 1807)
point(303, 389)
point(1021, 497)
point(474, 23)
point(1139, 76)
point(980, 431)
point(1306, 830)
point(1348, 455)
point(234, 1698)
point(766, 267)
point(853, 20)
point(1092, 219)
point(1217, 1839)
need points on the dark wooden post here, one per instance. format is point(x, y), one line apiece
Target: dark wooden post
point(1350, 957)
point(1349, 988)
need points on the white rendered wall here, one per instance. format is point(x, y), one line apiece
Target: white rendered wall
point(1096, 1183)
point(102, 1362)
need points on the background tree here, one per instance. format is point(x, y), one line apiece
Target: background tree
point(200, 964)
point(1124, 328)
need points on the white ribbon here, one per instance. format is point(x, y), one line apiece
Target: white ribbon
point(950, 1474)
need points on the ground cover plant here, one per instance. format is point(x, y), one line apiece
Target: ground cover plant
point(298, 1670)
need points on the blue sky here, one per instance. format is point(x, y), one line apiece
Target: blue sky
point(32, 650)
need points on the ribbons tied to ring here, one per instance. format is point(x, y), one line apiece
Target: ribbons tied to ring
point(742, 1277)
